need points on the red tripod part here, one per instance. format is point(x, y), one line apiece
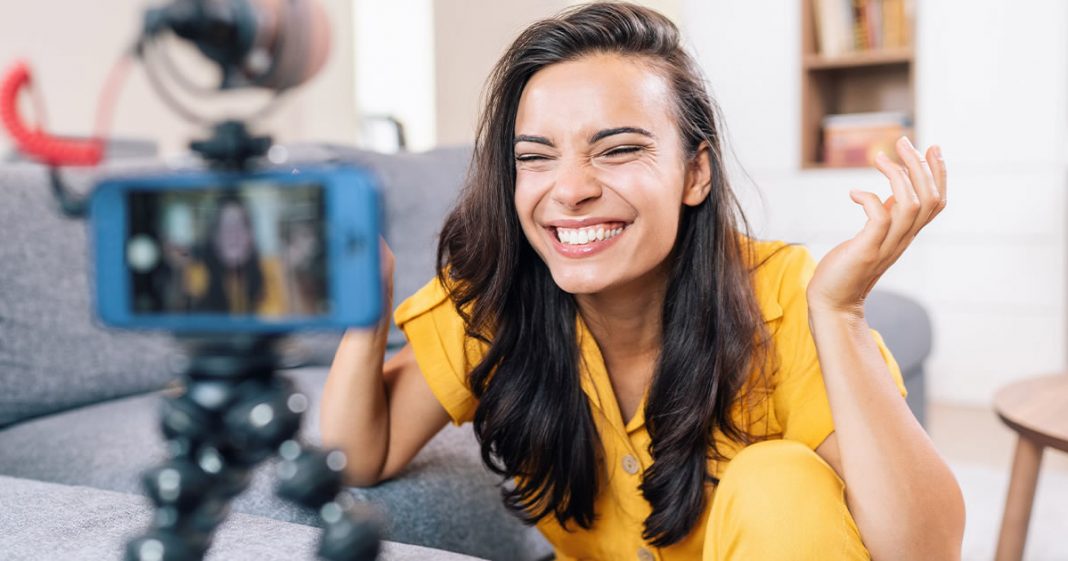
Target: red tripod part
point(49, 149)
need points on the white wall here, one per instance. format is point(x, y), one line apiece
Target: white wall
point(992, 90)
point(72, 45)
point(395, 73)
point(469, 37)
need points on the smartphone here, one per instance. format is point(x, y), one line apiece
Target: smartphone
point(261, 252)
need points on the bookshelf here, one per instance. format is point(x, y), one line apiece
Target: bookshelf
point(869, 79)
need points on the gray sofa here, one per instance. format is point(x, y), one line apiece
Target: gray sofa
point(79, 403)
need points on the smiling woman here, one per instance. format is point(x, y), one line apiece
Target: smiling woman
point(597, 148)
point(656, 382)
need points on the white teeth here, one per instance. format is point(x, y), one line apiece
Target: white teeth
point(583, 236)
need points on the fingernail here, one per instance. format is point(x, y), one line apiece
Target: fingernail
point(908, 142)
point(938, 152)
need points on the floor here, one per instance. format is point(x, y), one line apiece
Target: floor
point(976, 435)
point(980, 448)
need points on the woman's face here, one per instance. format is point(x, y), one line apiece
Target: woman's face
point(233, 241)
point(601, 174)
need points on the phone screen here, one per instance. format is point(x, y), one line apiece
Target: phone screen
point(255, 249)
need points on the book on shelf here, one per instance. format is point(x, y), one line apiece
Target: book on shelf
point(861, 29)
point(853, 139)
point(846, 26)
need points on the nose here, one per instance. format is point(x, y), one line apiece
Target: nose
point(575, 184)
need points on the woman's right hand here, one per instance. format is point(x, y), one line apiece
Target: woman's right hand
point(388, 263)
point(374, 339)
point(379, 413)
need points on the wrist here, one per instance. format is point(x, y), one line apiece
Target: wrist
point(823, 314)
point(368, 344)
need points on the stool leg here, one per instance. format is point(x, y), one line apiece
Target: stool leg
point(1020, 498)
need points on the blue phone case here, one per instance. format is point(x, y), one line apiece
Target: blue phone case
point(353, 226)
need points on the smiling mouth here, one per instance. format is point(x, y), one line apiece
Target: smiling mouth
point(589, 234)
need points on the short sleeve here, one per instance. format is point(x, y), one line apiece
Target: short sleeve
point(799, 395)
point(442, 350)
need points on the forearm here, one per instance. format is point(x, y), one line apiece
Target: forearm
point(354, 414)
point(906, 502)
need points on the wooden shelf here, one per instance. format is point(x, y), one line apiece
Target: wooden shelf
point(866, 81)
point(820, 166)
point(858, 59)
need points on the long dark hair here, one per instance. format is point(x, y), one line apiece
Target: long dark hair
point(533, 421)
point(216, 298)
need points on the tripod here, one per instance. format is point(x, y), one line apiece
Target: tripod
point(235, 413)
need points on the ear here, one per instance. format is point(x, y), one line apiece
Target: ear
point(698, 181)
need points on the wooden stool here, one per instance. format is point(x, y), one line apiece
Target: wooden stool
point(1037, 409)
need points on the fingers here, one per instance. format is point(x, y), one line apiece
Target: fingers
point(919, 193)
point(875, 229)
point(388, 264)
point(905, 209)
point(386, 258)
point(922, 175)
point(938, 169)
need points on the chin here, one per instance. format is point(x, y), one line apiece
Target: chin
point(581, 281)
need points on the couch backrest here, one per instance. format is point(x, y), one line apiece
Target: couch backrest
point(419, 190)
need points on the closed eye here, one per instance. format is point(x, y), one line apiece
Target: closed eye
point(621, 151)
point(615, 152)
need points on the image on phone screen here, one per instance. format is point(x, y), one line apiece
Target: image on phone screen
point(257, 249)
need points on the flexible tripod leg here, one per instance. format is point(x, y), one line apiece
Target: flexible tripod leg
point(234, 414)
point(311, 478)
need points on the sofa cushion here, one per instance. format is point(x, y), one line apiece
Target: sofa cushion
point(445, 498)
point(46, 521)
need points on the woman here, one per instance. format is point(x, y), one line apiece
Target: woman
point(658, 384)
point(240, 282)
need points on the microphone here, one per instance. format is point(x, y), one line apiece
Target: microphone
point(272, 44)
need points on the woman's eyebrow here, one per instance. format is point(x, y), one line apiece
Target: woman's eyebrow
point(596, 136)
point(535, 139)
point(620, 130)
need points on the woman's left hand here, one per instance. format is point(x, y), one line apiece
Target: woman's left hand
point(848, 272)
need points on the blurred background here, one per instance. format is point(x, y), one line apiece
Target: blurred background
point(986, 80)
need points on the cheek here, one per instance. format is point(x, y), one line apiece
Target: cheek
point(528, 195)
point(660, 219)
point(664, 233)
point(658, 201)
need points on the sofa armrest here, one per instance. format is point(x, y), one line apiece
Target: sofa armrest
point(906, 328)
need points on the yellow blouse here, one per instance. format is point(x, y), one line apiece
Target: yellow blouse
point(796, 408)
